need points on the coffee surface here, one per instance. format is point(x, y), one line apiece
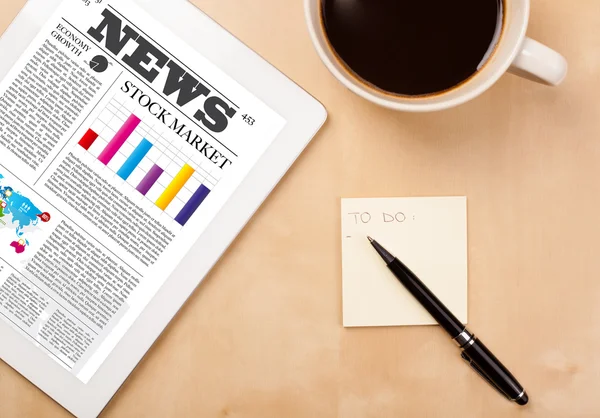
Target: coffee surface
point(412, 47)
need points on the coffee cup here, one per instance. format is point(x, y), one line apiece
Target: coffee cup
point(512, 51)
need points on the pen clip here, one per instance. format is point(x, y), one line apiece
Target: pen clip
point(480, 372)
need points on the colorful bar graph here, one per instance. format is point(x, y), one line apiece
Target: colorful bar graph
point(119, 139)
point(174, 187)
point(88, 139)
point(134, 159)
point(194, 203)
point(149, 179)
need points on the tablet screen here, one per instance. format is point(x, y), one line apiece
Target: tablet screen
point(119, 144)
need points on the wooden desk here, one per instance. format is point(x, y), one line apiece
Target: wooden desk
point(262, 337)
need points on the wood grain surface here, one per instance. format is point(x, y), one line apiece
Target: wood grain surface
point(262, 336)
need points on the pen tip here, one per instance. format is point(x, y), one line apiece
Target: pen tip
point(370, 239)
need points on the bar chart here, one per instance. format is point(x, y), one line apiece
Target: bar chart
point(134, 159)
point(167, 172)
point(119, 139)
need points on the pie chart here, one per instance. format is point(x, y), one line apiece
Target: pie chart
point(99, 64)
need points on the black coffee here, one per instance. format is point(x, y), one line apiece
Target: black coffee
point(413, 47)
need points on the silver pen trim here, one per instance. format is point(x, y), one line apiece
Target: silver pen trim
point(519, 396)
point(463, 338)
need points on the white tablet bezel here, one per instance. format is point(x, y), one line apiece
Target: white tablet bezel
point(304, 116)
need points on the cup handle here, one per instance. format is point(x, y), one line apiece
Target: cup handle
point(539, 63)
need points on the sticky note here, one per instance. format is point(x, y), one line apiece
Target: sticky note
point(428, 234)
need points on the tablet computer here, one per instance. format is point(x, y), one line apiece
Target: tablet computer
point(137, 138)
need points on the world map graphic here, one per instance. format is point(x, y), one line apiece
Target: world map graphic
point(18, 212)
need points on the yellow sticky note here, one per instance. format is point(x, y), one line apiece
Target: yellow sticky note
point(428, 234)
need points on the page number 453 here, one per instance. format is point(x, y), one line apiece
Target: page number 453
point(248, 119)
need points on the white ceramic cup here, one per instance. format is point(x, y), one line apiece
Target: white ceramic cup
point(514, 53)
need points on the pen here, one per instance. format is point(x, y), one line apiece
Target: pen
point(474, 351)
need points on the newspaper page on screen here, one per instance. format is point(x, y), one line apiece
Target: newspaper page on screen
point(118, 146)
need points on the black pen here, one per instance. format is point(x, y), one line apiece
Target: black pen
point(474, 351)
